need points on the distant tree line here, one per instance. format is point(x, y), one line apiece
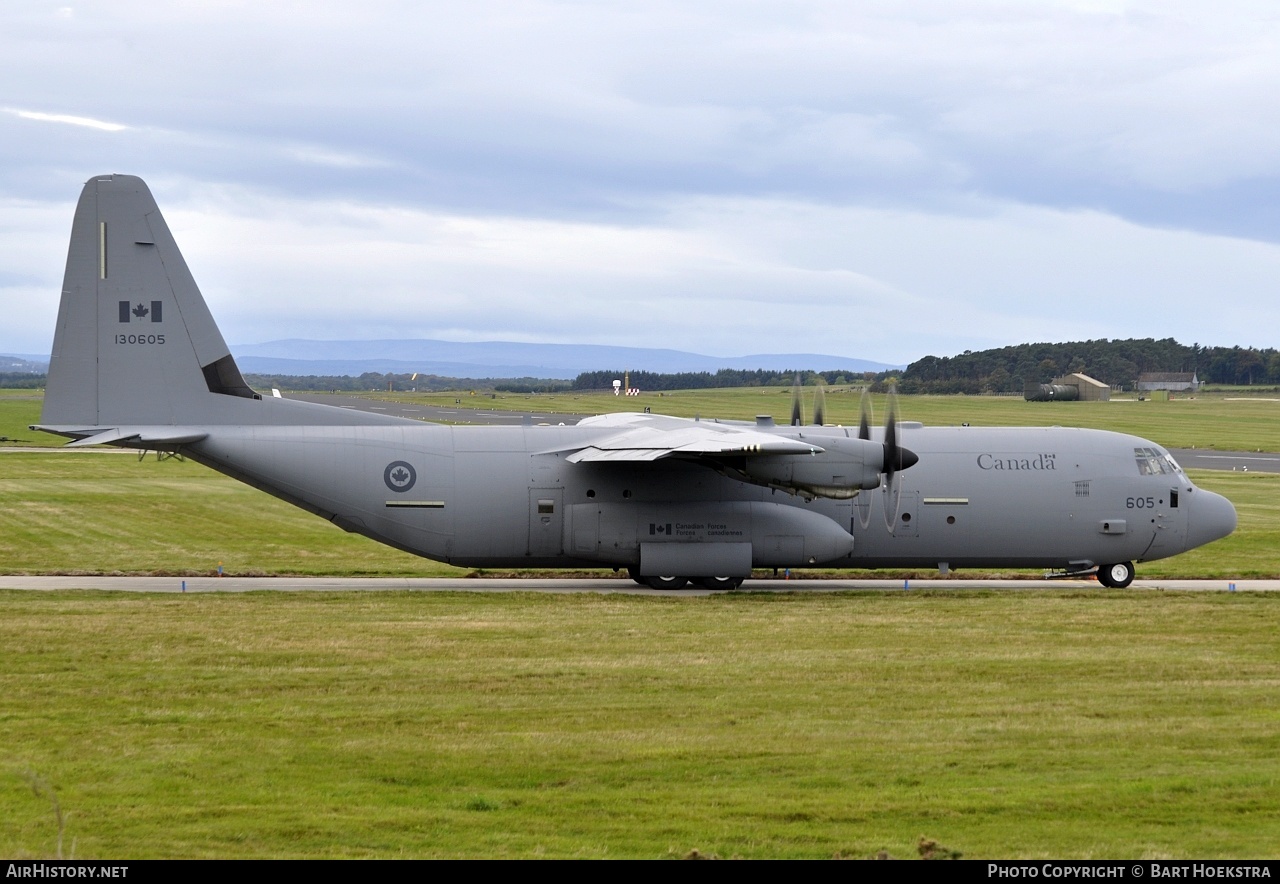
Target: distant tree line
point(1002, 370)
point(22, 380)
point(372, 380)
point(1117, 363)
point(725, 377)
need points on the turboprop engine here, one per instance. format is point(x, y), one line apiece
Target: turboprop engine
point(844, 467)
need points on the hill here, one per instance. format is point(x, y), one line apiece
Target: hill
point(508, 359)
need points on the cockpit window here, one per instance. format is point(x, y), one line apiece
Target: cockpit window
point(1155, 463)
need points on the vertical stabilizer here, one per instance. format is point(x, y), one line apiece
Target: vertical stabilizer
point(135, 343)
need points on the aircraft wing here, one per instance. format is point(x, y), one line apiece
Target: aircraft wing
point(644, 437)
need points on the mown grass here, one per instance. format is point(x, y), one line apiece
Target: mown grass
point(1225, 422)
point(19, 409)
point(1016, 724)
point(99, 513)
point(1031, 724)
point(1228, 422)
point(1252, 551)
point(108, 513)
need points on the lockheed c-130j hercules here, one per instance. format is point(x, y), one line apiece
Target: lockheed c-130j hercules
point(138, 362)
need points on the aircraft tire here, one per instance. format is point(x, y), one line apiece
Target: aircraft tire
point(634, 574)
point(667, 582)
point(1116, 576)
point(718, 582)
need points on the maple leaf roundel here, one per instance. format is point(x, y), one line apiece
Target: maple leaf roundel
point(399, 475)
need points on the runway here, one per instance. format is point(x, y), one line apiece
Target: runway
point(1247, 461)
point(437, 413)
point(560, 585)
point(1189, 458)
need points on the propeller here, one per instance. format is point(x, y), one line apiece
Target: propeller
point(863, 501)
point(864, 421)
point(896, 459)
point(797, 403)
point(893, 462)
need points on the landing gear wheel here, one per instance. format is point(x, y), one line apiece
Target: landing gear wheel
point(667, 582)
point(1116, 576)
point(634, 574)
point(718, 582)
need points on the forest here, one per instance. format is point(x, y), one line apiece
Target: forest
point(1117, 363)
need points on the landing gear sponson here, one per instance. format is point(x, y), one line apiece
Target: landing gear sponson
point(681, 582)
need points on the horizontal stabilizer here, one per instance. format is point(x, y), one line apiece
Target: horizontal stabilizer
point(138, 436)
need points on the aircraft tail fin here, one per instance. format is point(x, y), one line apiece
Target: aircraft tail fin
point(135, 343)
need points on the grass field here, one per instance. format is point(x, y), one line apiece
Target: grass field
point(99, 514)
point(19, 409)
point(1015, 724)
point(105, 513)
point(1231, 422)
point(109, 513)
point(1045, 723)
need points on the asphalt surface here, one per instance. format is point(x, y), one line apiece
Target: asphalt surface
point(437, 413)
point(1245, 461)
point(569, 585)
point(1189, 458)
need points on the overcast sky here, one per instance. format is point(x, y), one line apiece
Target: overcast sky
point(874, 180)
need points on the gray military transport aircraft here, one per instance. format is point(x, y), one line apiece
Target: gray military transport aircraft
point(139, 363)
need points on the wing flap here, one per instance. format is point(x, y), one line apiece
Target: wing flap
point(665, 437)
point(596, 455)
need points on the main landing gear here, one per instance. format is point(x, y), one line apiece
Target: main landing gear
point(1116, 576)
point(682, 582)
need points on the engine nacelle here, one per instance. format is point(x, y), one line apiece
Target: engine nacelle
point(844, 467)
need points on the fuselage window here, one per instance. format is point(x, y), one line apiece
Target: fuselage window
point(546, 506)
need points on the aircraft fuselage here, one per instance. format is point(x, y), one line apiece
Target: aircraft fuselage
point(138, 361)
point(490, 497)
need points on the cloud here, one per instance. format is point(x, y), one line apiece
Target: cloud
point(68, 119)
point(891, 179)
point(724, 276)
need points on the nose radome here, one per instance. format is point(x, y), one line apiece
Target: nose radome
point(1212, 518)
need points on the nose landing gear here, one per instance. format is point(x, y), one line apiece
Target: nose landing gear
point(1116, 576)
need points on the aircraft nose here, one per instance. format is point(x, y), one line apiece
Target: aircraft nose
point(1212, 518)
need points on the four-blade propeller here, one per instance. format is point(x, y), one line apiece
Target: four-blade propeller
point(896, 457)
